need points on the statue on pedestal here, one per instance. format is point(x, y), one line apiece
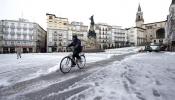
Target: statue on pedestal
point(91, 33)
point(92, 43)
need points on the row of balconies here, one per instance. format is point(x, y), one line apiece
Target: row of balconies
point(17, 43)
point(57, 44)
point(55, 39)
point(19, 27)
point(119, 40)
point(119, 36)
point(21, 39)
point(17, 32)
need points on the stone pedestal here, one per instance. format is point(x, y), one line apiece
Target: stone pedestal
point(92, 46)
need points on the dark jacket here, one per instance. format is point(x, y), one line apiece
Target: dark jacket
point(77, 44)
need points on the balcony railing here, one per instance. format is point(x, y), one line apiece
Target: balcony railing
point(12, 27)
point(12, 33)
point(6, 26)
point(24, 28)
point(18, 33)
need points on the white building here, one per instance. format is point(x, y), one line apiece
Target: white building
point(103, 35)
point(136, 36)
point(31, 37)
point(119, 36)
point(57, 33)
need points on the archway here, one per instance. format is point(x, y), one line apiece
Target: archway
point(160, 33)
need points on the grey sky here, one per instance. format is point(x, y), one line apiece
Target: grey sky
point(112, 12)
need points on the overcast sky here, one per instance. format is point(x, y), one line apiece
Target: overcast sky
point(113, 12)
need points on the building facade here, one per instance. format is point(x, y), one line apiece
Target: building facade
point(144, 34)
point(80, 30)
point(119, 37)
point(136, 36)
point(155, 32)
point(1, 37)
point(60, 31)
point(31, 37)
point(57, 33)
point(170, 27)
point(103, 35)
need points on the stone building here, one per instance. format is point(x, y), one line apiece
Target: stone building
point(171, 27)
point(143, 34)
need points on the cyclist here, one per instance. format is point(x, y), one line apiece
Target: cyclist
point(76, 43)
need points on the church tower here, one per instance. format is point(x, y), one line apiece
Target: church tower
point(139, 17)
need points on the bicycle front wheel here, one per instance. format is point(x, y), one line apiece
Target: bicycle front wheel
point(65, 65)
point(82, 62)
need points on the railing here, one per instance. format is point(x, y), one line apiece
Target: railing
point(18, 33)
point(24, 28)
point(12, 26)
point(19, 27)
point(12, 32)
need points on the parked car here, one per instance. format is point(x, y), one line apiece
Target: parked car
point(152, 47)
point(148, 48)
point(155, 48)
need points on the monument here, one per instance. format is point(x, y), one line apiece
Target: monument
point(91, 33)
point(92, 45)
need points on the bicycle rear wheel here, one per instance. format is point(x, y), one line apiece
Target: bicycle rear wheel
point(81, 63)
point(65, 65)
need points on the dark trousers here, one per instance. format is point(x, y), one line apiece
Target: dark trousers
point(75, 54)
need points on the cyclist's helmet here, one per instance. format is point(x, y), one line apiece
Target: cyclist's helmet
point(74, 36)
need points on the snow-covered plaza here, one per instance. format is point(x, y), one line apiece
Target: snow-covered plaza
point(117, 74)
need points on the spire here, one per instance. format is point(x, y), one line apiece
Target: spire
point(139, 8)
point(173, 2)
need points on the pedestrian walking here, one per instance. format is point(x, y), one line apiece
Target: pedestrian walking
point(18, 52)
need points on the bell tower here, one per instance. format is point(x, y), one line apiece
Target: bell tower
point(139, 17)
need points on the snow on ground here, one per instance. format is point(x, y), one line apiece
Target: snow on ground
point(33, 65)
point(144, 76)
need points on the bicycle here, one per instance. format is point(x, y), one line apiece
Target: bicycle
point(66, 63)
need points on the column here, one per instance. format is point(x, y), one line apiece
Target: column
point(1, 50)
point(8, 50)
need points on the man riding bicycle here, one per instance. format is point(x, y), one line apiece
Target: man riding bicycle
point(76, 43)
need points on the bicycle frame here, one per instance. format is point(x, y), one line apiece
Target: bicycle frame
point(70, 55)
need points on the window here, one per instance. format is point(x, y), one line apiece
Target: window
point(55, 33)
point(50, 17)
point(30, 37)
point(12, 26)
point(154, 41)
point(12, 43)
point(25, 37)
point(25, 27)
point(19, 37)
